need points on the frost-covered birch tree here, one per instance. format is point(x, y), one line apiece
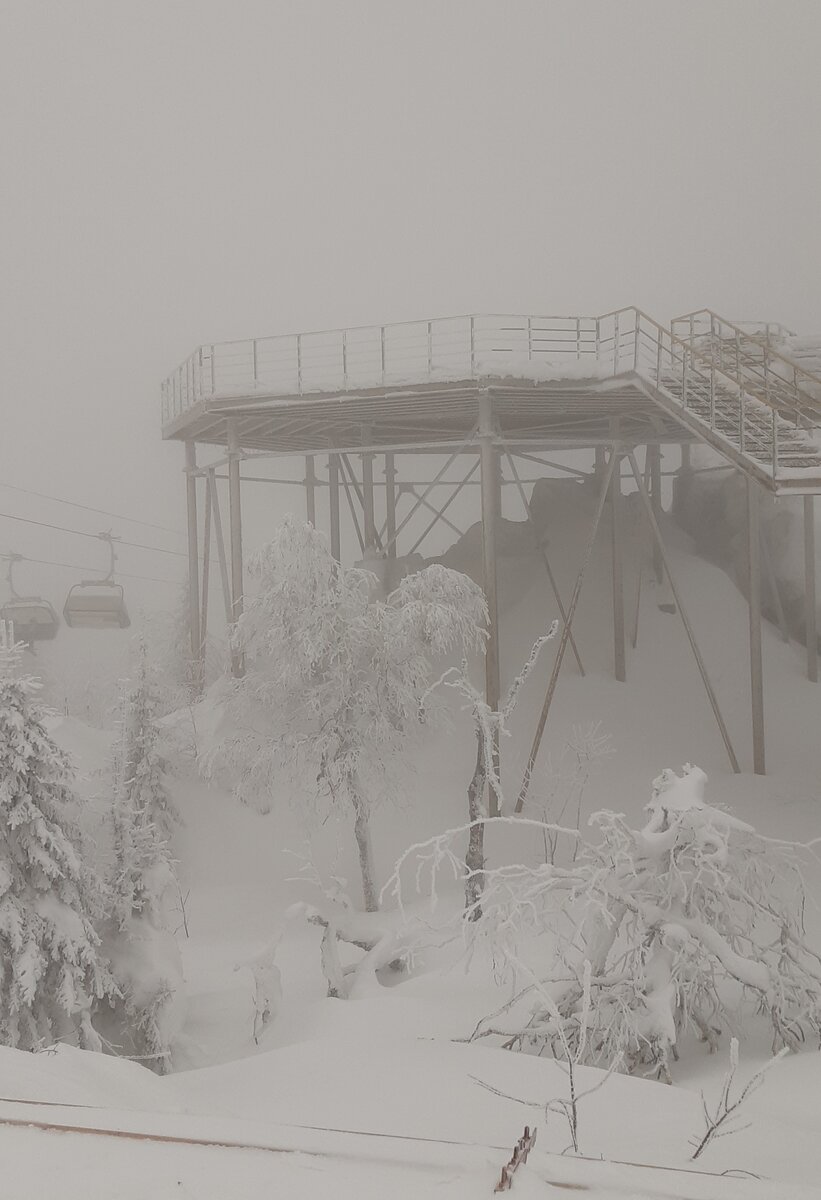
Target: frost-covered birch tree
point(335, 676)
point(51, 971)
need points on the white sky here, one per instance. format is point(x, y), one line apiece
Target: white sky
point(176, 172)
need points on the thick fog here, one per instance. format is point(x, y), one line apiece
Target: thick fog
point(182, 172)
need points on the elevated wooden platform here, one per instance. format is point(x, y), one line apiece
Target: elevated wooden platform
point(553, 381)
point(500, 388)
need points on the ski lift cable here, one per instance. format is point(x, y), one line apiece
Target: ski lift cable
point(82, 533)
point(90, 508)
point(50, 562)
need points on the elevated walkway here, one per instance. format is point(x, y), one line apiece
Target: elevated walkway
point(553, 381)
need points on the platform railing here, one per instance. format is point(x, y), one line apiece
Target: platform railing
point(449, 348)
point(748, 355)
point(711, 387)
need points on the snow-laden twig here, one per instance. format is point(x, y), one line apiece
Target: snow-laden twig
point(721, 1120)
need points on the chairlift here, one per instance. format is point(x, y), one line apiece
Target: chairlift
point(32, 618)
point(98, 603)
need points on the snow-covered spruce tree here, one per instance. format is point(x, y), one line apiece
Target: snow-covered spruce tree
point(335, 676)
point(689, 922)
point(51, 971)
point(144, 955)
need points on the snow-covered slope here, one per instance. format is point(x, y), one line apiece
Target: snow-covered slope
point(386, 1064)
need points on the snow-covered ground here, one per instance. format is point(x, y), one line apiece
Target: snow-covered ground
point(373, 1096)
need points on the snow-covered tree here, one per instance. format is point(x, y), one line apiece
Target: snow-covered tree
point(685, 923)
point(335, 676)
point(144, 820)
point(143, 952)
point(51, 971)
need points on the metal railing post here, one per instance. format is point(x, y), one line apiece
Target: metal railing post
point(742, 419)
point(529, 339)
point(616, 344)
point(636, 339)
point(430, 348)
point(345, 358)
point(213, 378)
point(382, 349)
point(254, 359)
point(775, 443)
point(472, 347)
point(299, 363)
point(712, 395)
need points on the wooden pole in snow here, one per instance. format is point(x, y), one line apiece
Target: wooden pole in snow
point(688, 629)
point(489, 491)
point(193, 553)
point(390, 504)
point(565, 636)
point(551, 577)
point(235, 522)
point(811, 620)
point(617, 545)
point(333, 505)
point(310, 489)
point(754, 596)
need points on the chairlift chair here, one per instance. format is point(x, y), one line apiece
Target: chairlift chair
point(97, 603)
point(32, 618)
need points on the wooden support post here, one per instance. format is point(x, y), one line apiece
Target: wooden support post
point(489, 490)
point(235, 522)
point(221, 555)
point(369, 522)
point(390, 504)
point(565, 635)
point(537, 538)
point(654, 463)
point(310, 489)
point(617, 539)
point(681, 484)
point(772, 585)
point(754, 595)
point(193, 559)
point(811, 619)
point(333, 505)
point(206, 573)
point(688, 629)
